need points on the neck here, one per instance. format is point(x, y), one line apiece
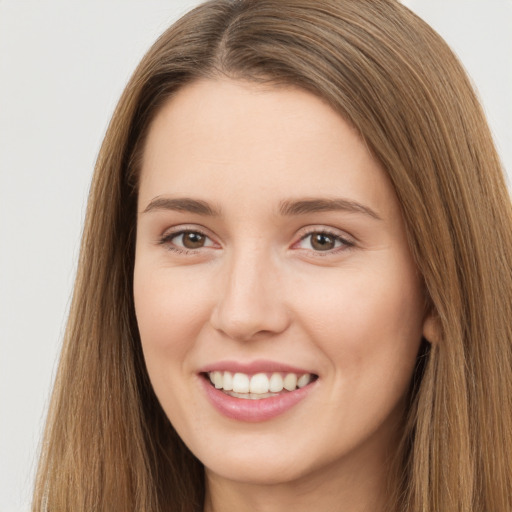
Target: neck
point(362, 488)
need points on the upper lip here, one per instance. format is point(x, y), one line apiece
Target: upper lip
point(252, 367)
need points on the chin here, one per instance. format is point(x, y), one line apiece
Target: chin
point(260, 471)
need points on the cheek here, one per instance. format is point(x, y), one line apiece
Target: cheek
point(365, 320)
point(171, 310)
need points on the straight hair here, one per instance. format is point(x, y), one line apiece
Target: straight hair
point(108, 445)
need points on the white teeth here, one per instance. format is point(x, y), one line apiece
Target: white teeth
point(241, 383)
point(290, 381)
point(258, 384)
point(303, 380)
point(251, 396)
point(276, 383)
point(218, 380)
point(228, 381)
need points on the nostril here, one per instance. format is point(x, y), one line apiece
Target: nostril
point(246, 311)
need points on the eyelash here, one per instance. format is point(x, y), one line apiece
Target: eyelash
point(346, 244)
point(166, 240)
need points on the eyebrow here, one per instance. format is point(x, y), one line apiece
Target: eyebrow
point(286, 208)
point(314, 205)
point(183, 204)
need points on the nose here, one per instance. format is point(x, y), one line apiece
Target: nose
point(250, 300)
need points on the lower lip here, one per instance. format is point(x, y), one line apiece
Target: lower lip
point(263, 409)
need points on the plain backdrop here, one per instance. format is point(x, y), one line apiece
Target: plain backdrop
point(63, 65)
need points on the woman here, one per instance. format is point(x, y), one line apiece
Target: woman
point(294, 287)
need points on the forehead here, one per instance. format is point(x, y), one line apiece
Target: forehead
point(232, 139)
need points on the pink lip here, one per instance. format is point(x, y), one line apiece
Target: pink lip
point(252, 367)
point(243, 409)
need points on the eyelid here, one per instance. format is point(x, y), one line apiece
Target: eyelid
point(348, 241)
point(175, 231)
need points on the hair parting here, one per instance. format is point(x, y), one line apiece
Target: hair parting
point(108, 446)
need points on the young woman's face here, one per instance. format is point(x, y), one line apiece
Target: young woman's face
point(271, 252)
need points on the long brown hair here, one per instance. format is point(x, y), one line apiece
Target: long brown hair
point(108, 445)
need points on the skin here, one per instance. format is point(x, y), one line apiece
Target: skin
point(259, 289)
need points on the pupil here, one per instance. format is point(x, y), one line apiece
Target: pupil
point(193, 240)
point(322, 242)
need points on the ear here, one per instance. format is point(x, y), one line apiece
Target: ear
point(432, 328)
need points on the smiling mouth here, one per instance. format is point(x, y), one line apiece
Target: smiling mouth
point(259, 385)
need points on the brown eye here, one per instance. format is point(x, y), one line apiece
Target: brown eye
point(186, 241)
point(193, 240)
point(323, 242)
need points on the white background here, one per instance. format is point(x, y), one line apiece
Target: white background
point(63, 65)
